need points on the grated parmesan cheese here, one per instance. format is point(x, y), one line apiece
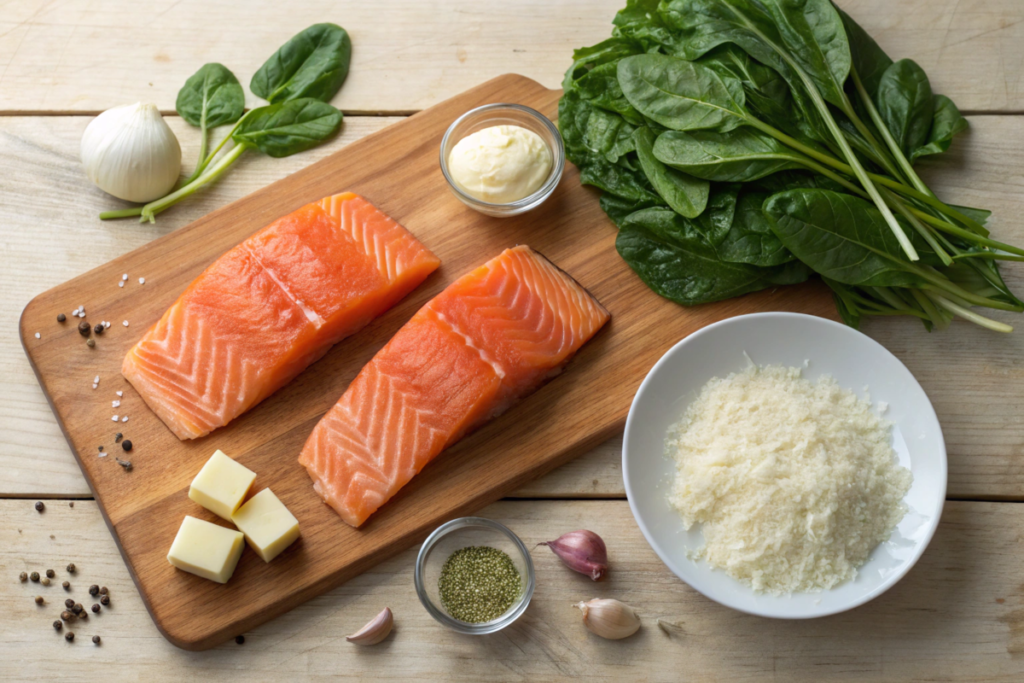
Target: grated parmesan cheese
point(793, 482)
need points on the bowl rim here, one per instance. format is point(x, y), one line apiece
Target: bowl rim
point(451, 622)
point(867, 596)
point(557, 159)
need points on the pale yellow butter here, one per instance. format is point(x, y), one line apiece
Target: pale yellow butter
point(221, 485)
point(268, 525)
point(205, 549)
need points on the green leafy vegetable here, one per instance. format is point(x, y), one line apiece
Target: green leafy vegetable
point(314, 63)
point(741, 155)
point(280, 130)
point(211, 97)
point(906, 104)
point(947, 123)
point(688, 196)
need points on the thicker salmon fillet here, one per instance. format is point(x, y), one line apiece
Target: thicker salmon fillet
point(489, 339)
point(262, 312)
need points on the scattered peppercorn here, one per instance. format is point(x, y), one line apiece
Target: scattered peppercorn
point(45, 581)
point(69, 603)
point(126, 444)
point(66, 585)
point(77, 608)
point(58, 625)
point(61, 317)
point(71, 568)
point(34, 576)
point(94, 589)
point(69, 636)
point(239, 639)
point(104, 600)
point(90, 343)
point(118, 437)
point(72, 503)
point(104, 591)
point(39, 600)
point(50, 573)
point(84, 328)
point(23, 577)
point(95, 640)
point(39, 506)
point(126, 464)
point(84, 615)
point(67, 616)
point(98, 329)
point(95, 609)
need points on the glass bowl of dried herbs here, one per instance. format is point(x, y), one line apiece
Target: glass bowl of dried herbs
point(474, 575)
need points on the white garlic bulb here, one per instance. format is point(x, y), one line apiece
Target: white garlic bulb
point(131, 153)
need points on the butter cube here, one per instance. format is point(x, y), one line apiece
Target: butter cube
point(221, 485)
point(205, 549)
point(267, 524)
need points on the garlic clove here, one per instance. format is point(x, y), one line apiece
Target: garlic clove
point(131, 153)
point(582, 551)
point(375, 631)
point(609, 618)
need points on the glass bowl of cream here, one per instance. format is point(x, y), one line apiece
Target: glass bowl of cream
point(502, 159)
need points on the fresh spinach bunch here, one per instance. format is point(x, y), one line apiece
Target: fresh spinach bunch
point(743, 144)
point(298, 80)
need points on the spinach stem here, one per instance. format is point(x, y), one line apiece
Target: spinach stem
point(928, 307)
point(966, 234)
point(949, 287)
point(987, 256)
point(882, 157)
point(968, 314)
point(149, 211)
point(203, 145)
point(924, 232)
point(121, 213)
point(205, 160)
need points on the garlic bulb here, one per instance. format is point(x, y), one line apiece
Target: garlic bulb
point(609, 618)
point(131, 153)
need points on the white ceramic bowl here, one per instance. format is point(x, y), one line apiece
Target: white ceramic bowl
point(855, 361)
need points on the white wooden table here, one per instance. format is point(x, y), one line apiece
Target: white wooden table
point(959, 615)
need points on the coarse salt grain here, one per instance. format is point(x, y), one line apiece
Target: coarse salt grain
point(125, 323)
point(142, 280)
point(106, 323)
point(120, 393)
point(121, 283)
point(102, 454)
point(96, 379)
point(125, 276)
point(114, 419)
point(95, 385)
point(115, 404)
point(38, 335)
point(124, 419)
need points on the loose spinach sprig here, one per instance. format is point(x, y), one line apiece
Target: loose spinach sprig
point(297, 81)
point(742, 144)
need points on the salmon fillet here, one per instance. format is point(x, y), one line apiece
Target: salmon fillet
point(267, 309)
point(486, 341)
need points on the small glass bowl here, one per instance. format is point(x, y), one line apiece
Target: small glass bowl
point(460, 533)
point(496, 115)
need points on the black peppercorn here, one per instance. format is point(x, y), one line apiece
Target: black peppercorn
point(66, 585)
point(69, 636)
point(67, 616)
point(71, 568)
point(118, 437)
point(84, 615)
point(103, 590)
point(239, 639)
point(104, 600)
point(94, 589)
point(91, 343)
point(61, 317)
point(50, 573)
point(95, 609)
point(126, 444)
point(77, 608)
point(58, 625)
point(34, 576)
point(39, 506)
point(98, 329)
point(84, 328)
point(45, 581)
point(69, 603)
point(23, 577)
point(95, 640)
point(39, 599)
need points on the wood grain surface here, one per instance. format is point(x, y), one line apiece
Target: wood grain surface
point(957, 616)
point(397, 170)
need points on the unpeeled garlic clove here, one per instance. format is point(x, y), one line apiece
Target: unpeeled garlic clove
point(375, 631)
point(609, 618)
point(582, 551)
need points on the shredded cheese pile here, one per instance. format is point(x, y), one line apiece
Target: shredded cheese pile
point(793, 482)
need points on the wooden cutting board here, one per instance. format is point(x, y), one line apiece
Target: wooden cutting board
point(396, 169)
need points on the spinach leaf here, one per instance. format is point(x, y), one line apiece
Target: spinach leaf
point(841, 237)
point(906, 104)
point(587, 58)
point(979, 215)
point(716, 221)
point(589, 130)
point(750, 238)
point(618, 208)
point(283, 129)
point(947, 122)
point(681, 95)
point(639, 20)
point(869, 60)
point(684, 193)
point(313, 63)
point(790, 273)
point(741, 155)
point(600, 87)
point(618, 180)
point(676, 264)
point(211, 97)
